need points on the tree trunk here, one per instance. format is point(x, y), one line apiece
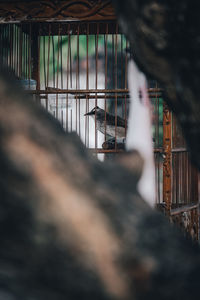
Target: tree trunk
point(165, 42)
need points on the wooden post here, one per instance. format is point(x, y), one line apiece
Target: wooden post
point(167, 164)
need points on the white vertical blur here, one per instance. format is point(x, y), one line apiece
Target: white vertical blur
point(139, 135)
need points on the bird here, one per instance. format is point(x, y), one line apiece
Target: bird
point(105, 123)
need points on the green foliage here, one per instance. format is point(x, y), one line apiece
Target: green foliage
point(73, 47)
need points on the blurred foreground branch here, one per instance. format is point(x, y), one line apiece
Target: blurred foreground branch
point(165, 43)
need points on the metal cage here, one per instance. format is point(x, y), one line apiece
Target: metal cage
point(71, 67)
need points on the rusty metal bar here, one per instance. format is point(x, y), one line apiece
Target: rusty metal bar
point(106, 74)
point(62, 118)
point(185, 208)
point(167, 165)
point(38, 62)
point(48, 55)
point(157, 119)
point(61, 60)
point(122, 70)
point(20, 52)
point(126, 86)
point(53, 53)
point(17, 52)
point(23, 55)
point(8, 49)
point(1, 43)
point(35, 55)
point(176, 150)
point(100, 150)
point(87, 87)
point(50, 90)
point(26, 55)
point(116, 74)
point(68, 62)
point(57, 73)
point(44, 62)
point(48, 63)
point(11, 46)
point(78, 80)
point(77, 66)
point(29, 54)
point(71, 120)
point(83, 95)
point(96, 79)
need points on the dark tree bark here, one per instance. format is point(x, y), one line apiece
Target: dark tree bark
point(74, 228)
point(165, 42)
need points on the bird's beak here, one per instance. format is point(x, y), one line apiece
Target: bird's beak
point(88, 114)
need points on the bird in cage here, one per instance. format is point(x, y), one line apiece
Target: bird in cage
point(108, 124)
